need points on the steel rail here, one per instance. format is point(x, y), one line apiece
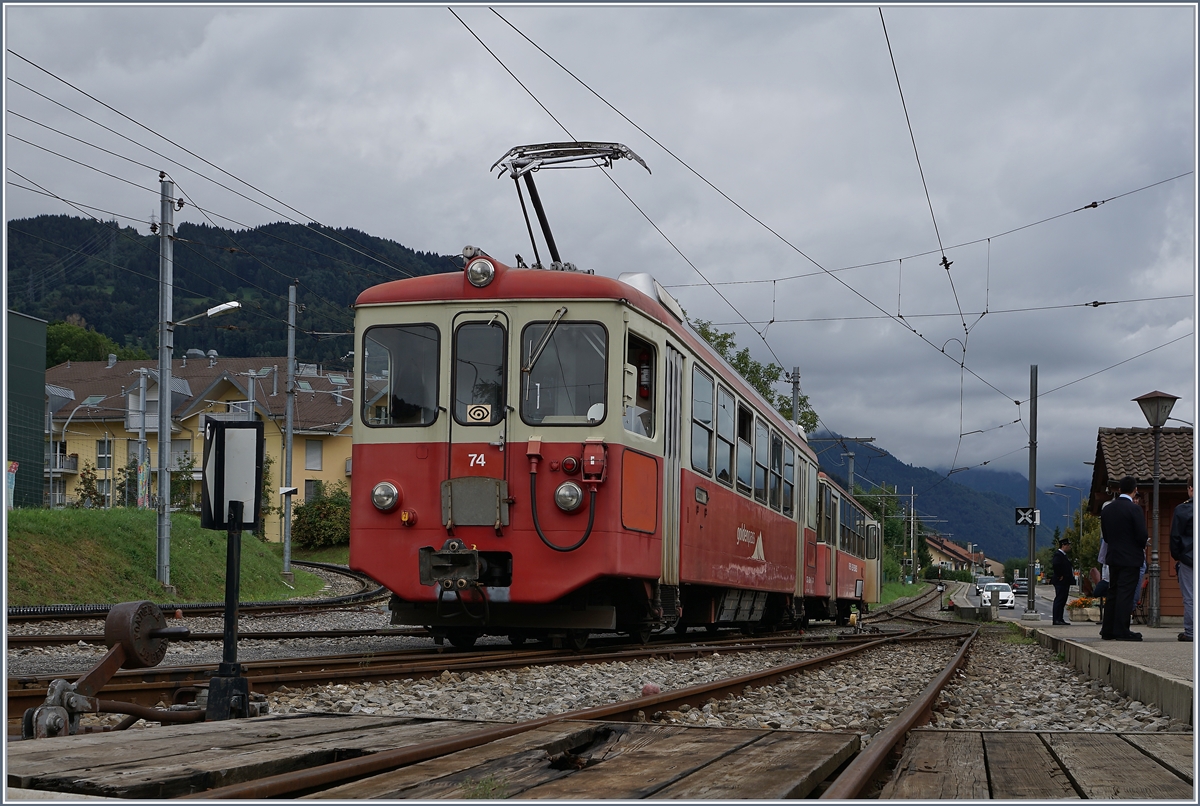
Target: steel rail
point(149, 686)
point(859, 773)
point(65, 639)
point(75, 611)
point(299, 782)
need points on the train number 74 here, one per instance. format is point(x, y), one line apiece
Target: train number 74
point(477, 460)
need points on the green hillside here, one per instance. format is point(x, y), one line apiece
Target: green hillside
point(104, 276)
point(106, 556)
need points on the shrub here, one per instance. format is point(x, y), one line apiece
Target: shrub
point(323, 519)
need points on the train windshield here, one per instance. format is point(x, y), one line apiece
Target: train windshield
point(565, 385)
point(479, 373)
point(400, 375)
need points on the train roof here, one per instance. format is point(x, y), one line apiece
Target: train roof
point(529, 284)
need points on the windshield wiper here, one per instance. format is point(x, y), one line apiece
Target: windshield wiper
point(541, 345)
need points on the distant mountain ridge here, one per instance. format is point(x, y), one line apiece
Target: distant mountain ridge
point(976, 505)
point(96, 272)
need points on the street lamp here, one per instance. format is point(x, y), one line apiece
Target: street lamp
point(1066, 514)
point(1080, 491)
point(166, 346)
point(1156, 406)
point(89, 401)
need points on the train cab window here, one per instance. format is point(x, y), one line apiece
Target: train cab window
point(762, 455)
point(639, 413)
point(479, 352)
point(702, 422)
point(726, 434)
point(565, 383)
point(745, 450)
point(400, 375)
point(776, 482)
point(789, 480)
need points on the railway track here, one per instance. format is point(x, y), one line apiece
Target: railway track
point(853, 780)
point(368, 590)
point(170, 684)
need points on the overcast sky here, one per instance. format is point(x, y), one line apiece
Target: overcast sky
point(387, 119)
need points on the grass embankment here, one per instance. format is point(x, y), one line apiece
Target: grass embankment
point(85, 556)
point(891, 591)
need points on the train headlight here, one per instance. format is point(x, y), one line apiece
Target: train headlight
point(384, 496)
point(568, 496)
point(480, 272)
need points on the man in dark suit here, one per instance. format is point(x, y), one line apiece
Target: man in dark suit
point(1062, 575)
point(1123, 524)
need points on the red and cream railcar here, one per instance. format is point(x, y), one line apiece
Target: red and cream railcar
point(842, 560)
point(551, 454)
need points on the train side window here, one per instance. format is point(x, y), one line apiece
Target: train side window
point(702, 421)
point(827, 527)
point(400, 375)
point(762, 455)
point(872, 541)
point(810, 497)
point(726, 434)
point(745, 451)
point(563, 373)
point(789, 480)
point(639, 414)
point(776, 484)
point(479, 353)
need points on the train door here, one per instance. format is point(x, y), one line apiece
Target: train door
point(475, 492)
point(672, 431)
point(871, 588)
point(834, 514)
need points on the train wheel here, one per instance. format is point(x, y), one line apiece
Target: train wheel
point(681, 629)
point(516, 638)
point(711, 629)
point(577, 639)
point(641, 635)
point(462, 639)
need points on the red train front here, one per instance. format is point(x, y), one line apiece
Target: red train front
point(550, 453)
point(547, 453)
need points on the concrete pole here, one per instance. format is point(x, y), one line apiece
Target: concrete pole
point(796, 396)
point(287, 433)
point(166, 284)
point(142, 458)
point(1030, 609)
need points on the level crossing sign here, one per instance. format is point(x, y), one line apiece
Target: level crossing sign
point(1028, 516)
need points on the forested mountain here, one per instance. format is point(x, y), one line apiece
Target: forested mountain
point(105, 276)
point(978, 513)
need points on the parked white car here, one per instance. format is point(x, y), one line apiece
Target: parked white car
point(1001, 590)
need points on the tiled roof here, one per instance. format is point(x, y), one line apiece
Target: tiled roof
point(202, 379)
point(1124, 452)
point(948, 548)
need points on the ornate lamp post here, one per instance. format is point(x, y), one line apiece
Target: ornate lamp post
point(1156, 406)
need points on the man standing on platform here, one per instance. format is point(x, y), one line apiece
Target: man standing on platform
point(1181, 552)
point(1062, 575)
point(1123, 524)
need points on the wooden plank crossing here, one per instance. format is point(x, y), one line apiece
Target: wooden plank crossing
point(565, 760)
point(1060, 765)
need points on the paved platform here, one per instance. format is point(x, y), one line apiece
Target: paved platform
point(1159, 669)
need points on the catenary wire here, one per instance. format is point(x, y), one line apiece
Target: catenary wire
point(610, 178)
point(367, 253)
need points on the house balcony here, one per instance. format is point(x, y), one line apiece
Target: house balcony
point(61, 463)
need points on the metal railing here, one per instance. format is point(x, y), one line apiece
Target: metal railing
point(67, 464)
